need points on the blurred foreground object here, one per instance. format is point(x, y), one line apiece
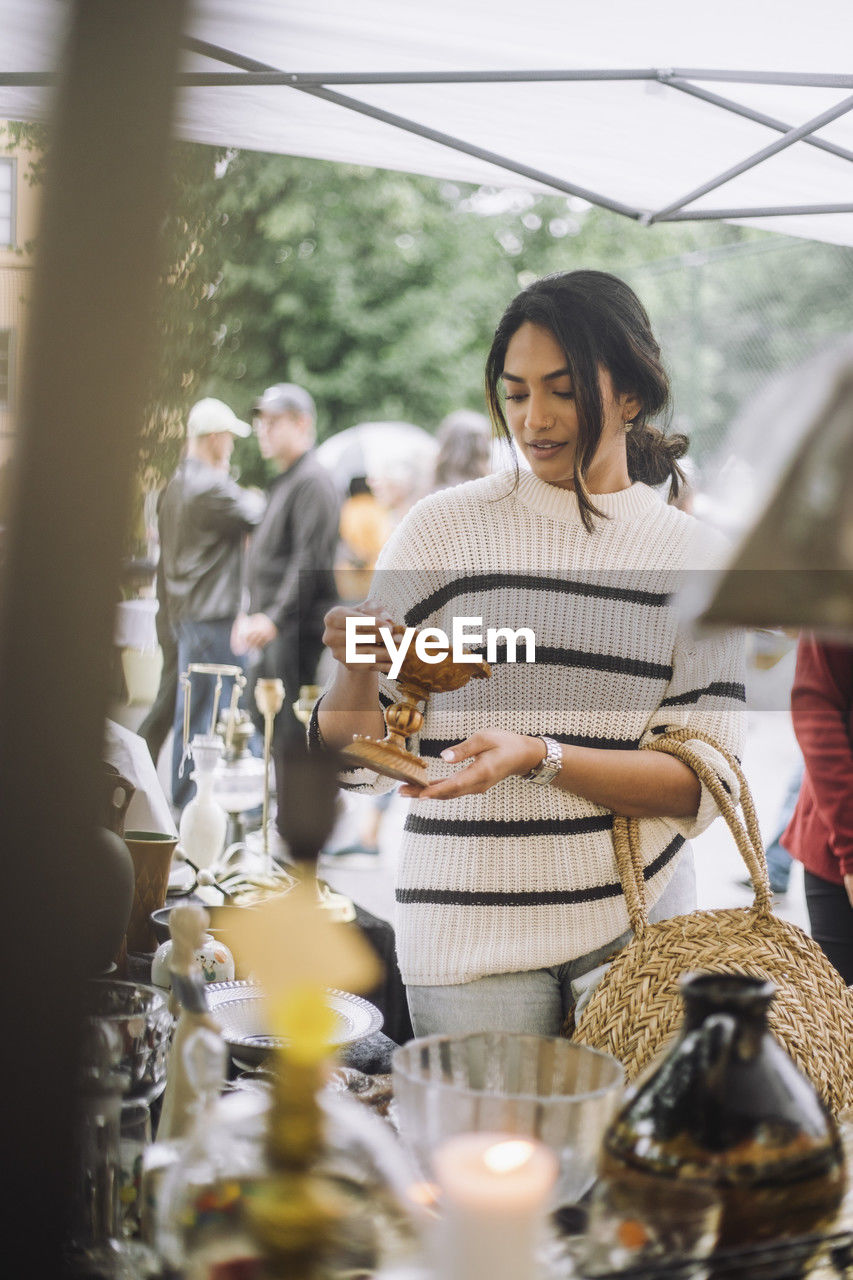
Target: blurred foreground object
point(794, 566)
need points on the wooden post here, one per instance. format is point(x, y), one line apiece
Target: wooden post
point(83, 388)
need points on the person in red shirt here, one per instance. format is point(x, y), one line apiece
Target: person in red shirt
point(820, 833)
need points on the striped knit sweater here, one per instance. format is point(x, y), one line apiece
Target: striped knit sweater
point(524, 877)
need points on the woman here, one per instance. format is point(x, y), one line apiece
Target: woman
point(508, 896)
point(820, 833)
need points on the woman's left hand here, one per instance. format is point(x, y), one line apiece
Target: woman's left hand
point(494, 754)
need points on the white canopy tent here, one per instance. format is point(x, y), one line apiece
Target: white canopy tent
point(640, 142)
point(663, 111)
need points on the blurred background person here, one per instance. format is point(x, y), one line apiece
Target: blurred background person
point(464, 448)
point(820, 833)
point(203, 516)
point(290, 561)
point(364, 525)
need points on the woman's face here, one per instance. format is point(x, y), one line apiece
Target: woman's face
point(542, 415)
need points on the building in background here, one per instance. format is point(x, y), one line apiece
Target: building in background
point(18, 211)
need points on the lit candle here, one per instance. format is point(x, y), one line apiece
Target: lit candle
point(495, 1192)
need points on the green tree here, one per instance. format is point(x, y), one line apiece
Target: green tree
point(379, 291)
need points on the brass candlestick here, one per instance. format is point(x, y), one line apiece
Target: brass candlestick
point(417, 681)
point(269, 699)
point(304, 705)
point(338, 905)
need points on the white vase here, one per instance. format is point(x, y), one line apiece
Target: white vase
point(203, 823)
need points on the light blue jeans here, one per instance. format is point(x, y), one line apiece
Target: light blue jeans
point(536, 1001)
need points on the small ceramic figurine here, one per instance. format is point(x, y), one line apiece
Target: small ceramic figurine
point(215, 959)
point(198, 1058)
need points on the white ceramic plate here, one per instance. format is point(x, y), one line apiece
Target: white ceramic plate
point(239, 1009)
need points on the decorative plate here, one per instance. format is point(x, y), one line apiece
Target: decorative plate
point(238, 1007)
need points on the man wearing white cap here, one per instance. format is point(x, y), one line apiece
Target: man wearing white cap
point(203, 517)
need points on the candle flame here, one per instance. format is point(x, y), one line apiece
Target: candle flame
point(504, 1157)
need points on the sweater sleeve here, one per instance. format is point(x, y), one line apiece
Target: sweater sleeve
point(706, 693)
point(820, 706)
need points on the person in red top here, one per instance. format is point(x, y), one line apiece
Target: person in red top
point(820, 833)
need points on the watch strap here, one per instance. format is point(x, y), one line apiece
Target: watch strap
point(547, 769)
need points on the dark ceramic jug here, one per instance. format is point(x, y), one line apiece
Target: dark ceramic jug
point(107, 873)
point(727, 1106)
point(116, 795)
point(110, 876)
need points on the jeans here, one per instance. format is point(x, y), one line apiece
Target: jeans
point(779, 860)
point(536, 1001)
point(831, 921)
point(198, 642)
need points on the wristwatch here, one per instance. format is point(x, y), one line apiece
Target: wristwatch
point(547, 769)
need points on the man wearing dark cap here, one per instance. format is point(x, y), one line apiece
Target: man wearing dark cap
point(289, 570)
point(203, 517)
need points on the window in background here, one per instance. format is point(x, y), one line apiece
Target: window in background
point(5, 368)
point(7, 203)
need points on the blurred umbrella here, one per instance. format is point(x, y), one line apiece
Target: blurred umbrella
point(371, 447)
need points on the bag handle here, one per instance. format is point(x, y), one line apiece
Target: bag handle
point(747, 835)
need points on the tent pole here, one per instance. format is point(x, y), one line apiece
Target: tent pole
point(763, 211)
point(738, 109)
point(793, 135)
point(422, 131)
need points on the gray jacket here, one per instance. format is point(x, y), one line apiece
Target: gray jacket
point(202, 517)
point(291, 557)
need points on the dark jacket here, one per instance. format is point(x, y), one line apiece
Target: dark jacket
point(292, 553)
point(820, 834)
point(202, 517)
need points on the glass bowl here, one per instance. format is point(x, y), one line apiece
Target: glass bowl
point(138, 1018)
point(544, 1087)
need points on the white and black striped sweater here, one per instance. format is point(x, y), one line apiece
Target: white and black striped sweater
point(524, 877)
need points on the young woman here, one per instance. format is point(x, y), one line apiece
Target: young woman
point(508, 896)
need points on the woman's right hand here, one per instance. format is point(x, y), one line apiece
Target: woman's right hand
point(334, 636)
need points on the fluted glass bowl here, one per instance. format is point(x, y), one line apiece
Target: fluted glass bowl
point(544, 1087)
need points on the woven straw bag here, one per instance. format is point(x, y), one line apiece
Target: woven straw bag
point(636, 1007)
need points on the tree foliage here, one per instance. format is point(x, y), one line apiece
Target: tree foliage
point(379, 292)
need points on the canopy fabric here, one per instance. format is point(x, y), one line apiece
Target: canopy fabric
point(639, 144)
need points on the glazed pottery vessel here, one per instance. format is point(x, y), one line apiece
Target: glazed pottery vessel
point(217, 962)
point(151, 852)
point(116, 795)
point(728, 1107)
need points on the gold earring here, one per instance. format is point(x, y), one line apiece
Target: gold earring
point(627, 425)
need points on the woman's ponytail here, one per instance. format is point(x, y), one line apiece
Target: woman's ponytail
point(653, 456)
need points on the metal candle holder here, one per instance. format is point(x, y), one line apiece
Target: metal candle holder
point(218, 669)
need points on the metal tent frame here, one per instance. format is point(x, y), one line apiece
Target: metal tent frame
point(251, 73)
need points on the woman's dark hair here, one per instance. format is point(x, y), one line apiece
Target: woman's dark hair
point(597, 320)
